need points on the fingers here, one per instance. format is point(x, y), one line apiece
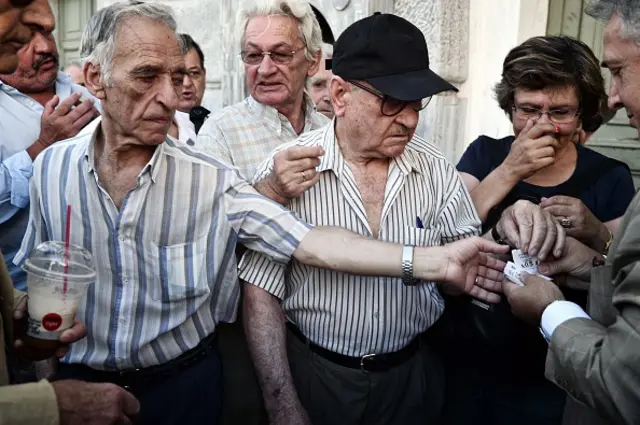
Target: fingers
point(561, 240)
point(484, 295)
point(491, 268)
point(83, 108)
point(510, 229)
point(50, 106)
point(301, 152)
point(541, 129)
point(559, 210)
point(490, 247)
point(526, 220)
point(65, 106)
point(73, 334)
point(84, 119)
point(528, 126)
point(489, 284)
point(557, 200)
point(130, 404)
point(553, 268)
point(550, 238)
point(20, 309)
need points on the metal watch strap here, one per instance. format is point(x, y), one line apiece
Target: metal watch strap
point(407, 265)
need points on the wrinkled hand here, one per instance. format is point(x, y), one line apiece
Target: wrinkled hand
point(534, 148)
point(82, 403)
point(576, 260)
point(584, 225)
point(528, 227)
point(528, 302)
point(28, 352)
point(294, 171)
point(470, 270)
point(62, 120)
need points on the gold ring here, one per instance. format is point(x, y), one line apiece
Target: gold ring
point(304, 177)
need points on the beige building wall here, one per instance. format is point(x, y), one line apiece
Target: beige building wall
point(468, 40)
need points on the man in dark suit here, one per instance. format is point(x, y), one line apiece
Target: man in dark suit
point(595, 357)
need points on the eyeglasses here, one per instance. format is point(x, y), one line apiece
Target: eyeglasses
point(281, 57)
point(558, 116)
point(391, 107)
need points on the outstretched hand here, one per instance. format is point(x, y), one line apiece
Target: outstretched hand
point(471, 269)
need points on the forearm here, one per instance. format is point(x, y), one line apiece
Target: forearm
point(265, 330)
point(340, 249)
point(492, 190)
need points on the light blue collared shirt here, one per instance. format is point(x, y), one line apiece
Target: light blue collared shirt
point(20, 128)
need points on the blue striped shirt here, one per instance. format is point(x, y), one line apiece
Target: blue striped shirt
point(166, 266)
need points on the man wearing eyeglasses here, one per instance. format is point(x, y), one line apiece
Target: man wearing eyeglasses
point(43, 403)
point(335, 348)
point(281, 48)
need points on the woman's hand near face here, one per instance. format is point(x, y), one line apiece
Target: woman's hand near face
point(581, 223)
point(534, 148)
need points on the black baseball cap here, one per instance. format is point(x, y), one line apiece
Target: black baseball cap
point(390, 53)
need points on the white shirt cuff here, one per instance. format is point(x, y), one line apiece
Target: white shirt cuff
point(557, 313)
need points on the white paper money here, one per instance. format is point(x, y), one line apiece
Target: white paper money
point(525, 262)
point(514, 273)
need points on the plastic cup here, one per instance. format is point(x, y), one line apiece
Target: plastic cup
point(52, 309)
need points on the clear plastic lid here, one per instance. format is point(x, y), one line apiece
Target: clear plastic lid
point(48, 261)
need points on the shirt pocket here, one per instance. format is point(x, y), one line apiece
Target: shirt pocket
point(416, 236)
point(180, 271)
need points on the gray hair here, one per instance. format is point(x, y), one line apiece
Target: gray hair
point(628, 10)
point(98, 43)
point(299, 10)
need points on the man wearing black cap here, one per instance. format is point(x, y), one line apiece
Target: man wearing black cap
point(353, 343)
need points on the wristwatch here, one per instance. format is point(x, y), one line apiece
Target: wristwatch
point(496, 237)
point(407, 266)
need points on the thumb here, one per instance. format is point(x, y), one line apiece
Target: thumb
point(51, 105)
point(130, 404)
point(551, 268)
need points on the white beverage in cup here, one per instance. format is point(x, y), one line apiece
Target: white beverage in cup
point(56, 284)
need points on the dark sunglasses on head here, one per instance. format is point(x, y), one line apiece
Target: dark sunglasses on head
point(20, 3)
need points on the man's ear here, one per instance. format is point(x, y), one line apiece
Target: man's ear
point(315, 65)
point(93, 80)
point(339, 89)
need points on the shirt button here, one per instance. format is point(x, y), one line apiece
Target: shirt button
point(375, 314)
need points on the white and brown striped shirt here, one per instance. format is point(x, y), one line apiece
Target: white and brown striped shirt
point(425, 204)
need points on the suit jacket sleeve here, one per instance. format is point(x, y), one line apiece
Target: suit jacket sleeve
point(29, 404)
point(599, 363)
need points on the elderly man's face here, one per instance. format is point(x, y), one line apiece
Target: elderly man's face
point(319, 90)
point(16, 26)
point(147, 74)
point(622, 57)
point(376, 135)
point(271, 83)
point(194, 82)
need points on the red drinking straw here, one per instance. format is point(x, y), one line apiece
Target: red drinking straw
point(66, 249)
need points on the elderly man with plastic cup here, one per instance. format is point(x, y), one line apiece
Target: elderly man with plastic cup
point(43, 403)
